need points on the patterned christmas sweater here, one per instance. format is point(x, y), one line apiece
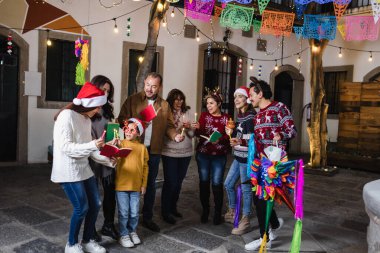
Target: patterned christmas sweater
point(208, 124)
point(244, 127)
point(275, 118)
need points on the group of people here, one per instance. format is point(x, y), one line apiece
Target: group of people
point(78, 166)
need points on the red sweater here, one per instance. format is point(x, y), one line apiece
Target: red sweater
point(208, 124)
point(275, 118)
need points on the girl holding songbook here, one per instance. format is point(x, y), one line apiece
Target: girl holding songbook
point(176, 157)
point(211, 155)
point(131, 182)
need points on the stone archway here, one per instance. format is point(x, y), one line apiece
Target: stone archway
point(371, 74)
point(297, 101)
point(241, 80)
point(22, 131)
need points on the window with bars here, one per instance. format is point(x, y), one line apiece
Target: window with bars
point(220, 71)
point(60, 71)
point(331, 82)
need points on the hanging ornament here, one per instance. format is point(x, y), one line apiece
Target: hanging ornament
point(361, 28)
point(300, 9)
point(81, 51)
point(319, 27)
point(256, 26)
point(298, 31)
point(259, 71)
point(375, 9)
point(342, 30)
point(277, 23)
point(262, 5)
point(217, 11)
point(9, 43)
point(240, 66)
point(237, 17)
point(129, 27)
point(209, 46)
point(339, 10)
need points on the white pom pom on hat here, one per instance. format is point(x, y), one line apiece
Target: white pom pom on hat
point(139, 124)
point(243, 90)
point(90, 96)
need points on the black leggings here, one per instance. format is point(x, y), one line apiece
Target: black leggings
point(261, 210)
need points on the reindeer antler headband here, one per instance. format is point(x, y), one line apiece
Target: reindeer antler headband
point(213, 93)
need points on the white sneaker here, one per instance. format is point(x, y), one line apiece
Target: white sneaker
point(76, 248)
point(255, 245)
point(93, 247)
point(135, 238)
point(273, 233)
point(126, 242)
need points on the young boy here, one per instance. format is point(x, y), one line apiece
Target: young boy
point(131, 181)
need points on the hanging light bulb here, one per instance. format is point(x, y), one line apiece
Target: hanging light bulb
point(140, 59)
point(172, 14)
point(115, 29)
point(299, 59)
point(370, 56)
point(340, 55)
point(275, 66)
point(48, 41)
point(224, 58)
point(315, 49)
point(198, 38)
point(164, 22)
point(251, 66)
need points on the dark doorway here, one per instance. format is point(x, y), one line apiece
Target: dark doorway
point(283, 89)
point(220, 71)
point(283, 92)
point(8, 101)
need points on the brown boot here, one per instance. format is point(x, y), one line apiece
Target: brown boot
point(229, 217)
point(243, 228)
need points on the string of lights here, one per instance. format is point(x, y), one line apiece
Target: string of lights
point(198, 32)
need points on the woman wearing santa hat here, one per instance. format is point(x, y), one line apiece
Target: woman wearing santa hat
point(238, 169)
point(73, 145)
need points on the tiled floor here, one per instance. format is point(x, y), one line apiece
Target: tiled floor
point(35, 216)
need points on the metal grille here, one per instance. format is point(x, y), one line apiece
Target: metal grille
point(222, 74)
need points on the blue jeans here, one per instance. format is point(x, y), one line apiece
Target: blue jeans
point(128, 203)
point(175, 169)
point(238, 170)
point(211, 166)
point(150, 194)
point(84, 196)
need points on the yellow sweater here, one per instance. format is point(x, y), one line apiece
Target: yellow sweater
point(132, 171)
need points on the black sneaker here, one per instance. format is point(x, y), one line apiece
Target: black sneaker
point(149, 224)
point(177, 214)
point(169, 219)
point(110, 230)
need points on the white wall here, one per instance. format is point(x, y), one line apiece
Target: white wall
point(180, 60)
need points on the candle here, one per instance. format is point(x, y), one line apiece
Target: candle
point(103, 134)
point(183, 130)
point(195, 117)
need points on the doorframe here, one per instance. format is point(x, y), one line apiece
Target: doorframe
point(297, 104)
point(241, 80)
point(22, 118)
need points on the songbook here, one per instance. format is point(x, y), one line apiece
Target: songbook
point(110, 131)
point(149, 113)
point(113, 151)
point(213, 137)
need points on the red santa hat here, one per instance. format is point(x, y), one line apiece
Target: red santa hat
point(139, 124)
point(243, 90)
point(90, 96)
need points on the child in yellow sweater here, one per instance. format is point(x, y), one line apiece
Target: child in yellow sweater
point(131, 181)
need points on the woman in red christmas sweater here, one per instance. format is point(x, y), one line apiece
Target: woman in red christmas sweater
point(273, 123)
point(211, 156)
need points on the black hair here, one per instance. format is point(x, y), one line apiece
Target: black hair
point(260, 85)
point(76, 108)
point(99, 82)
point(177, 94)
